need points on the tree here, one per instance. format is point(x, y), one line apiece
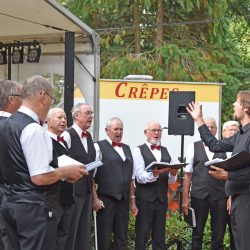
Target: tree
point(186, 40)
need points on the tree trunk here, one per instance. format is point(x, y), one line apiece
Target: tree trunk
point(160, 29)
point(137, 27)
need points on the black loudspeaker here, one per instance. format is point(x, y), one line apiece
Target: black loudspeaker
point(179, 120)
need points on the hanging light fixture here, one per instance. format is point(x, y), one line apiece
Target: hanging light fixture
point(17, 54)
point(3, 56)
point(34, 52)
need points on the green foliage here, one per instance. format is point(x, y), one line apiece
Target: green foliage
point(213, 50)
point(177, 230)
point(58, 84)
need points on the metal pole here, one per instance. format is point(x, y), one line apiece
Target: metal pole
point(9, 62)
point(69, 71)
point(95, 225)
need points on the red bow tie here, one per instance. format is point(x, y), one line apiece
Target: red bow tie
point(116, 144)
point(153, 147)
point(85, 134)
point(41, 122)
point(60, 138)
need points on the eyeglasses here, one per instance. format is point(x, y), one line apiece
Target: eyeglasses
point(52, 97)
point(155, 130)
point(15, 95)
point(87, 113)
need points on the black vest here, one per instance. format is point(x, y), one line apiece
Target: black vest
point(78, 152)
point(18, 184)
point(114, 177)
point(159, 188)
point(203, 184)
point(66, 194)
point(2, 147)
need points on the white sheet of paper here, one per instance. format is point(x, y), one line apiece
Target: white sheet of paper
point(65, 160)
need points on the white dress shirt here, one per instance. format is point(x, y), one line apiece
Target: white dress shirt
point(37, 145)
point(142, 176)
point(119, 150)
point(54, 136)
point(98, 151)
point(67, 138)
point(190, 157)
point(5, 114)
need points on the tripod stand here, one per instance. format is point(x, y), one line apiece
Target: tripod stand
point(179, 243)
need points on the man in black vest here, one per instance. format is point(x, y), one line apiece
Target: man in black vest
point(151, 189)
point(57, 123)
point(31, 176)
point(207, 193)
point(10, 93)
point(82, 149)
point(115, 188)
point(237, 184)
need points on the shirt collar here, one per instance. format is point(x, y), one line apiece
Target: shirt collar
point(29, 112)
point(108, 139)
point(5, 114)
point(78, 129)
point(52, 135)
point(245, 128)
point(149, 144)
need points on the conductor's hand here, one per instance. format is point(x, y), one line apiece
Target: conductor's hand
point(195, 110)
point(218, 173)
point(156, 172)
point(74, 172)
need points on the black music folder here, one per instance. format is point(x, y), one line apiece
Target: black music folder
point(235, 162)
point(161, 165)
point(190, 217)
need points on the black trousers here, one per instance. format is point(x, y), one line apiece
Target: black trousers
point(240, 221)
point(113, 218)
point(63, 228)
point(218, 214)
point(3, 233)
point(80, 223)
point(30, 226)
point(232, 244)
point(151, 217)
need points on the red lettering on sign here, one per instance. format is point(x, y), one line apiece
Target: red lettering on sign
point(164, 93)
point(117, 90)
point(154, 91)
point(132, 92)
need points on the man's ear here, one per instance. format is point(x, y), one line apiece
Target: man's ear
point(247, 111)
point(42, 97)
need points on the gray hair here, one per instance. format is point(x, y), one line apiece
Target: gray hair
point(210, 119)
point(230, 123)
point(34, 85)
point(148, 124)
point(8, 88)
point(109, 122)
point(77, 108)
point(52, 112)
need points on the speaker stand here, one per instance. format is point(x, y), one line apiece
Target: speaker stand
point(180, 190)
